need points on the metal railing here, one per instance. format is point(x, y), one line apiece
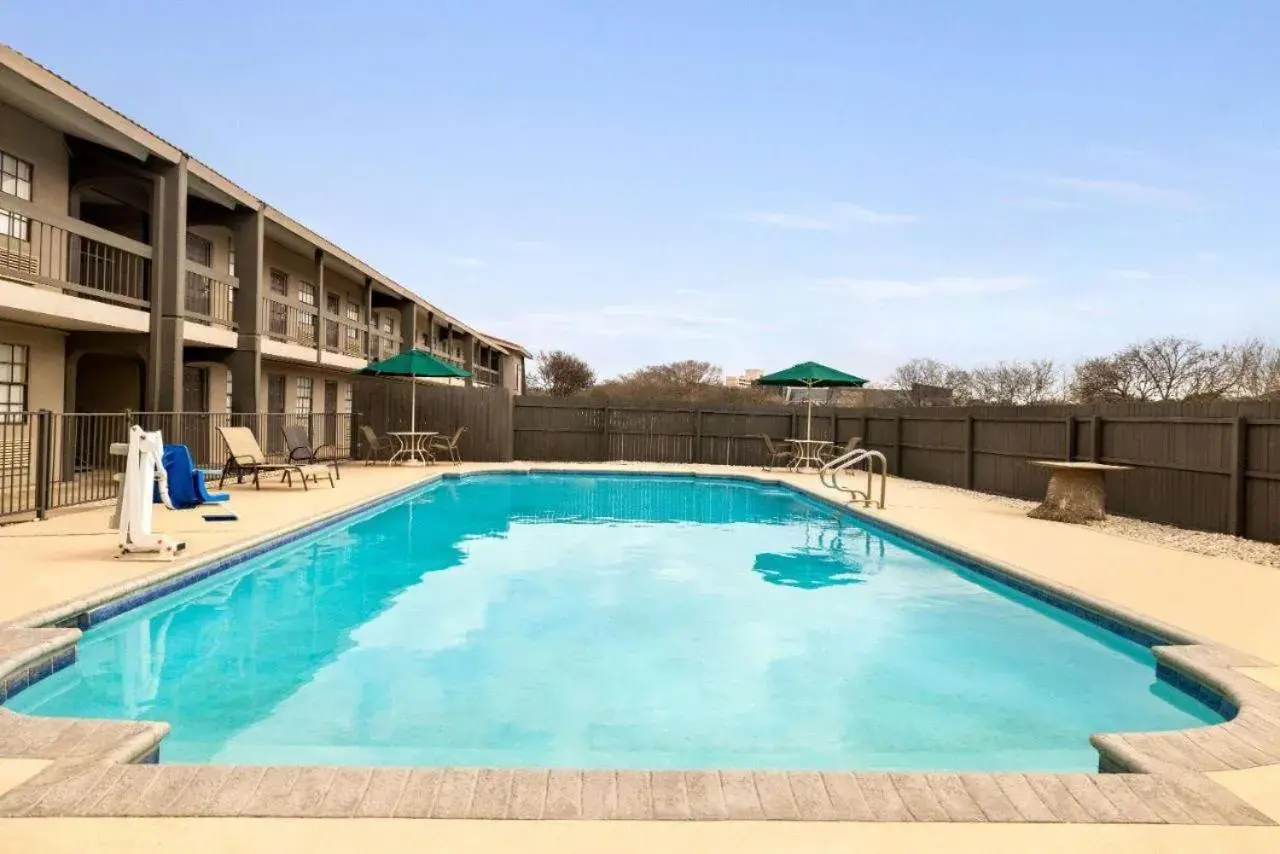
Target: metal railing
point(52, 460)
point(210, 296)
point(38, 247)
point(383, 345)
point(347, 337)
point(286, 322)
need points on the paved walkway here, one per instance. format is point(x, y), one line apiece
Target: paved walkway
point(1224, 601)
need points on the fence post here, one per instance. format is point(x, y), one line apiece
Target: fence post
point(835, 429)
point(697, 436)
point(353, 440)
point(866, 440)
point(1071, 438)
point(968, 450)
point(44, 462)
point(897, 444)
point(793, 433)
point(1236, 516)
point(604, 433)
point(1095, 438)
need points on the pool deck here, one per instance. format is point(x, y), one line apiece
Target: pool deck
point(60, 567)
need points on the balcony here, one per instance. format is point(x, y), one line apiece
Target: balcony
point(487, 376)
point(289, 323)
point(348, 337)
point(211, 296)
point(383, 345)
point(42, 248)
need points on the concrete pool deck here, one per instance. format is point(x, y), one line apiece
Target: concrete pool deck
point(1223, 601)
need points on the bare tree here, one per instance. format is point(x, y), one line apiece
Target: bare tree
point(688, 379)
point(1016, 383)
point(561, 374)
point(1256, 365)
point(916, 378)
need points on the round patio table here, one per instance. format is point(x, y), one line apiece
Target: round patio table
point(413, 446)
point(1077, 491)
point(808, 451)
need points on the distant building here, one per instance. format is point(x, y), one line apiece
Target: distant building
point(745, 379)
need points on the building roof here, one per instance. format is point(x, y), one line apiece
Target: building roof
point(107, 125)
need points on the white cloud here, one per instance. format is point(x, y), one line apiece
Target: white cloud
point(777, 219)
point(687, 315)
point(1123, 192)
point(829, 218)
point(878, 290)
point(857, 213)
point(468, 263)
point(1039, 203)
point(1129, 275)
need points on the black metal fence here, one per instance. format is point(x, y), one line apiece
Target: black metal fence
point(51, 460)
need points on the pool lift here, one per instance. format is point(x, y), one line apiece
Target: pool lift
point(135, 500)
point(830, 475)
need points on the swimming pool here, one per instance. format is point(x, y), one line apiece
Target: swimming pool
point(629, 621)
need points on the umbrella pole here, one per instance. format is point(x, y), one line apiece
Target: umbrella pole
point(808, 425)
point(413, 415)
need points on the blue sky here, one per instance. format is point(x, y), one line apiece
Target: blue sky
point(751, 184)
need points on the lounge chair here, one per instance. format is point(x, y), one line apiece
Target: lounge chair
point(777, 455)
point(830, 452)
point(378, 445)
point(449, 444)
point(245, 456)
point(301, 451)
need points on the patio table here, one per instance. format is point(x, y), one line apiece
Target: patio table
point(1077, 491)
point(413, 445)
point(807, 451)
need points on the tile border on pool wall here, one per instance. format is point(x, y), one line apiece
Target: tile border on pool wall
point(1249, 739)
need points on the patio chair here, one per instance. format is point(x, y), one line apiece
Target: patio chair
point(777, 455)
point(830, 452)
point(245, 457)
point(301, 451)
point(377, 445)
point(448, 444)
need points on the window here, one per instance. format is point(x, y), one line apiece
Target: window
point(199, 249)
point(353, 312)
point(388, 325)
point(13, 383)
point(15, 180)
point(229, 390)
point(306, 293)
point(278, 318)
point(231, 257)
point(349, 398)
point(333, 304)
point(279, 282)
point(305, 386)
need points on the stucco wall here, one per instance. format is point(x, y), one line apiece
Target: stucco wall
point(46, 368)
point(41, 146)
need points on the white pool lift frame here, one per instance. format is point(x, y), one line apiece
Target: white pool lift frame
point(135, 501)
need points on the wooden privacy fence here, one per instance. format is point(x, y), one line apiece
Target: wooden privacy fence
point(384, 404)
point(1213, 466)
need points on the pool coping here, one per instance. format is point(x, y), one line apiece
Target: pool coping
point(93, 760)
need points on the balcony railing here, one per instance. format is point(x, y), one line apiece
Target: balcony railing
point(487, 376)
point(383, 345)
point(211, 296)
point(286, 322)
point(38, 247)
point(348, 337)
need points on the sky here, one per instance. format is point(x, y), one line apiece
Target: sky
point(753, 184)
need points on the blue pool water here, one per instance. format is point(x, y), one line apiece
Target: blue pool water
point(621, 621)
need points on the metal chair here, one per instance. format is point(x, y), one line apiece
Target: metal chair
point(448, 444)
point(830, 452)
point(377, 445)
point(784, 455)
point(298, 441)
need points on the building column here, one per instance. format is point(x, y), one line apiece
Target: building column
point(370, 326)
point(168, 287)
point(320, 298)
point(469, 357)
point(408, 324)
point(246, 362)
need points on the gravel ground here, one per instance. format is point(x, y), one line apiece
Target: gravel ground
point(1199, 542)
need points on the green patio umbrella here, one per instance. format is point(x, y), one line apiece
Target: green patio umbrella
point(413, 363)
point(811, 375)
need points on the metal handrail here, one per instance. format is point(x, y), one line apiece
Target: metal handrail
point(829, 474)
